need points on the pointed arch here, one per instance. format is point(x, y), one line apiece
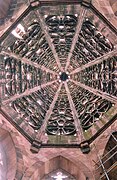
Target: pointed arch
point(12, 153)
point(39, 170)
point(8, 159)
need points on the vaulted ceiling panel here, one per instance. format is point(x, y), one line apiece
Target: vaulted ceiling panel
point(94, 41)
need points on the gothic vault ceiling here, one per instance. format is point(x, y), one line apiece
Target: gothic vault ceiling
point(58, 72)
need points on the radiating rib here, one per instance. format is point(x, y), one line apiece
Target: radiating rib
point(48, 114)
point(96, 61)
point(27, 61)
point(75, 115)
point(78, 28)
point(27, 92)
point(104, 95)
point(48, 38)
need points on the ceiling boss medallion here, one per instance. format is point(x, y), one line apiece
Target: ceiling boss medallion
point(64, 76)
point(58, 74)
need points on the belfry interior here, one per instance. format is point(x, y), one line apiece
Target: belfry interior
point(58, 89)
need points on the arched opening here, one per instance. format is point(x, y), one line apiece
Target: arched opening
point(7, 156)
point(58, 167)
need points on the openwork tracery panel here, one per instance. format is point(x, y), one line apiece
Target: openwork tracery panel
point(102, 76)
point(28, 40)
point(20, 76)
point(32, 109)
point(61, 121)
point(90, 108)
point(61, 29)
point(93, 41)
point(61, 22)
